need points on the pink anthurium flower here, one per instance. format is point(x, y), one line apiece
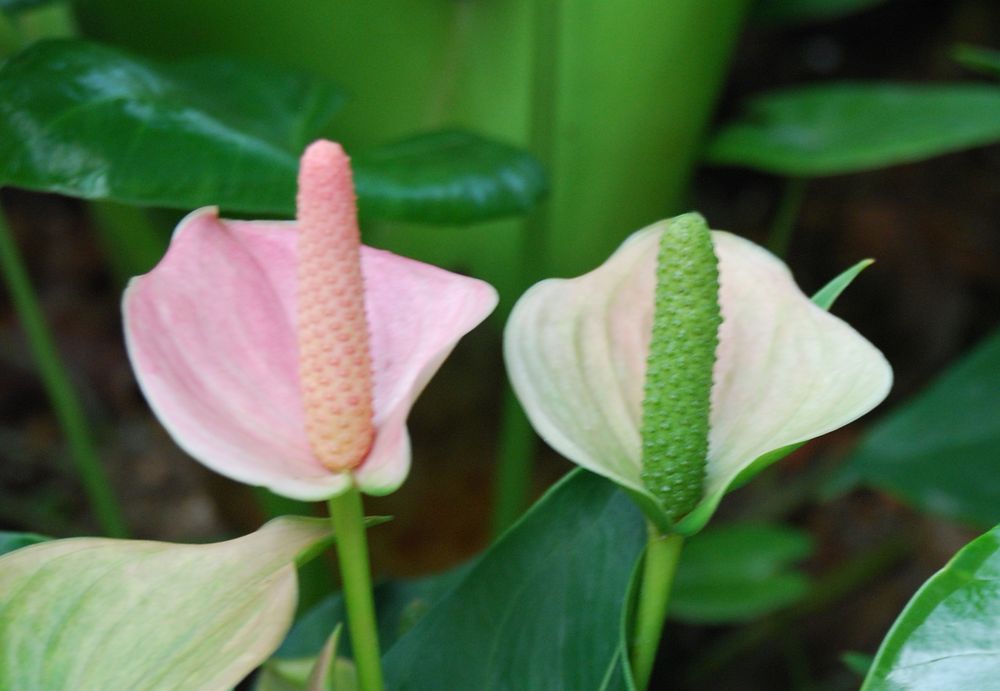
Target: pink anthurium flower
point(786, 371)
point(287, 355)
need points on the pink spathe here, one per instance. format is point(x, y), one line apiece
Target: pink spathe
point(212, 333)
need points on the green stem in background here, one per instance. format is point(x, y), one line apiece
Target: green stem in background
point(658, 569)
point(783, 226)
point(55, 378)
point(347, 515)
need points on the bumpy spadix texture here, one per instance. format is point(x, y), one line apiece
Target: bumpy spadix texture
point(785, 370)
point(678, 387)
point(213, 335)
point(334, 364)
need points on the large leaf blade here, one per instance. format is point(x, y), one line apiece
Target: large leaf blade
point(97, 613)
point(848, 127)
point(541, 609)
point(947, 636)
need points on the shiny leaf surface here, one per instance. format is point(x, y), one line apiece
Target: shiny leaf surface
point(947, 636)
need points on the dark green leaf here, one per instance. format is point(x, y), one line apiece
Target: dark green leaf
point(848, 127)
point(984, 60)
point(941, 450)
point(802, 11)
point(541, 609)
point(737, 572)
point(947, 636)
point(859, 663)
point(91, 121)
point(11, 541)
point(399, 605)
point(447, 177)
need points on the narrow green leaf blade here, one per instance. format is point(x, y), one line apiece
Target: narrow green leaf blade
point(541, 609)
point(447, 177)
point(947, 636)
point(755, 575)
point(849, 127)
point(983, 60)
point(97, 613)
point(939, 451)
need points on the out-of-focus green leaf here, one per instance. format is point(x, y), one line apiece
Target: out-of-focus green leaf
point(776, 12)
point(947, 636)
point(984, 60)
point(323, 672)
point(95, 613)
point(859, 663)
point(91, 121)
point(941, 450)
point(447, 177)
point(737, 572)
point(848, 127)
point(10, 541)
point(541, 609)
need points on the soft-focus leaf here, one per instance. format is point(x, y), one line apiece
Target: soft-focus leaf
point(848, 127)
point(941, 450)
point(447, 177)
point(947, 636)
point(10, 541)
point(97, 613)
point(984, 60)
point(541, 608)
point(91, 121)
point(802, 11)
point(323, 672)
point(859, 663)
point(13, 6)
point(737, 572)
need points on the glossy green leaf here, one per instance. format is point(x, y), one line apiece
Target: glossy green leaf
point(947, 636)
point(447, 177)
point(91, 121)
point(732, 573)
point(97, 613)
point(803, 11)
point(984, 60)
point(941, 450)
point(541, 609)
point(10, 541)
point(849, 127)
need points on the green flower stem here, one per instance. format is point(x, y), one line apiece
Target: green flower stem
point(659, 566)
point(780, 235)
point(348, 519)
point(55, 378)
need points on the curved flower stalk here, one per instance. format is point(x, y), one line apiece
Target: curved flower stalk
point(287, 355)
point(785, 371)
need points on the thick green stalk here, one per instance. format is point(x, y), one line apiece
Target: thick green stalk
point(658, 569)
point(55, 378)
point(347, 515)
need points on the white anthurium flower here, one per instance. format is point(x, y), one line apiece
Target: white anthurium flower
point(786, 371)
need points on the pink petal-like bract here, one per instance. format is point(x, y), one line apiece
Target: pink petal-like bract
point(212, 335)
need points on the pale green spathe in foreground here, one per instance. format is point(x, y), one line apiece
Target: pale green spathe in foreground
point(96, 613)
